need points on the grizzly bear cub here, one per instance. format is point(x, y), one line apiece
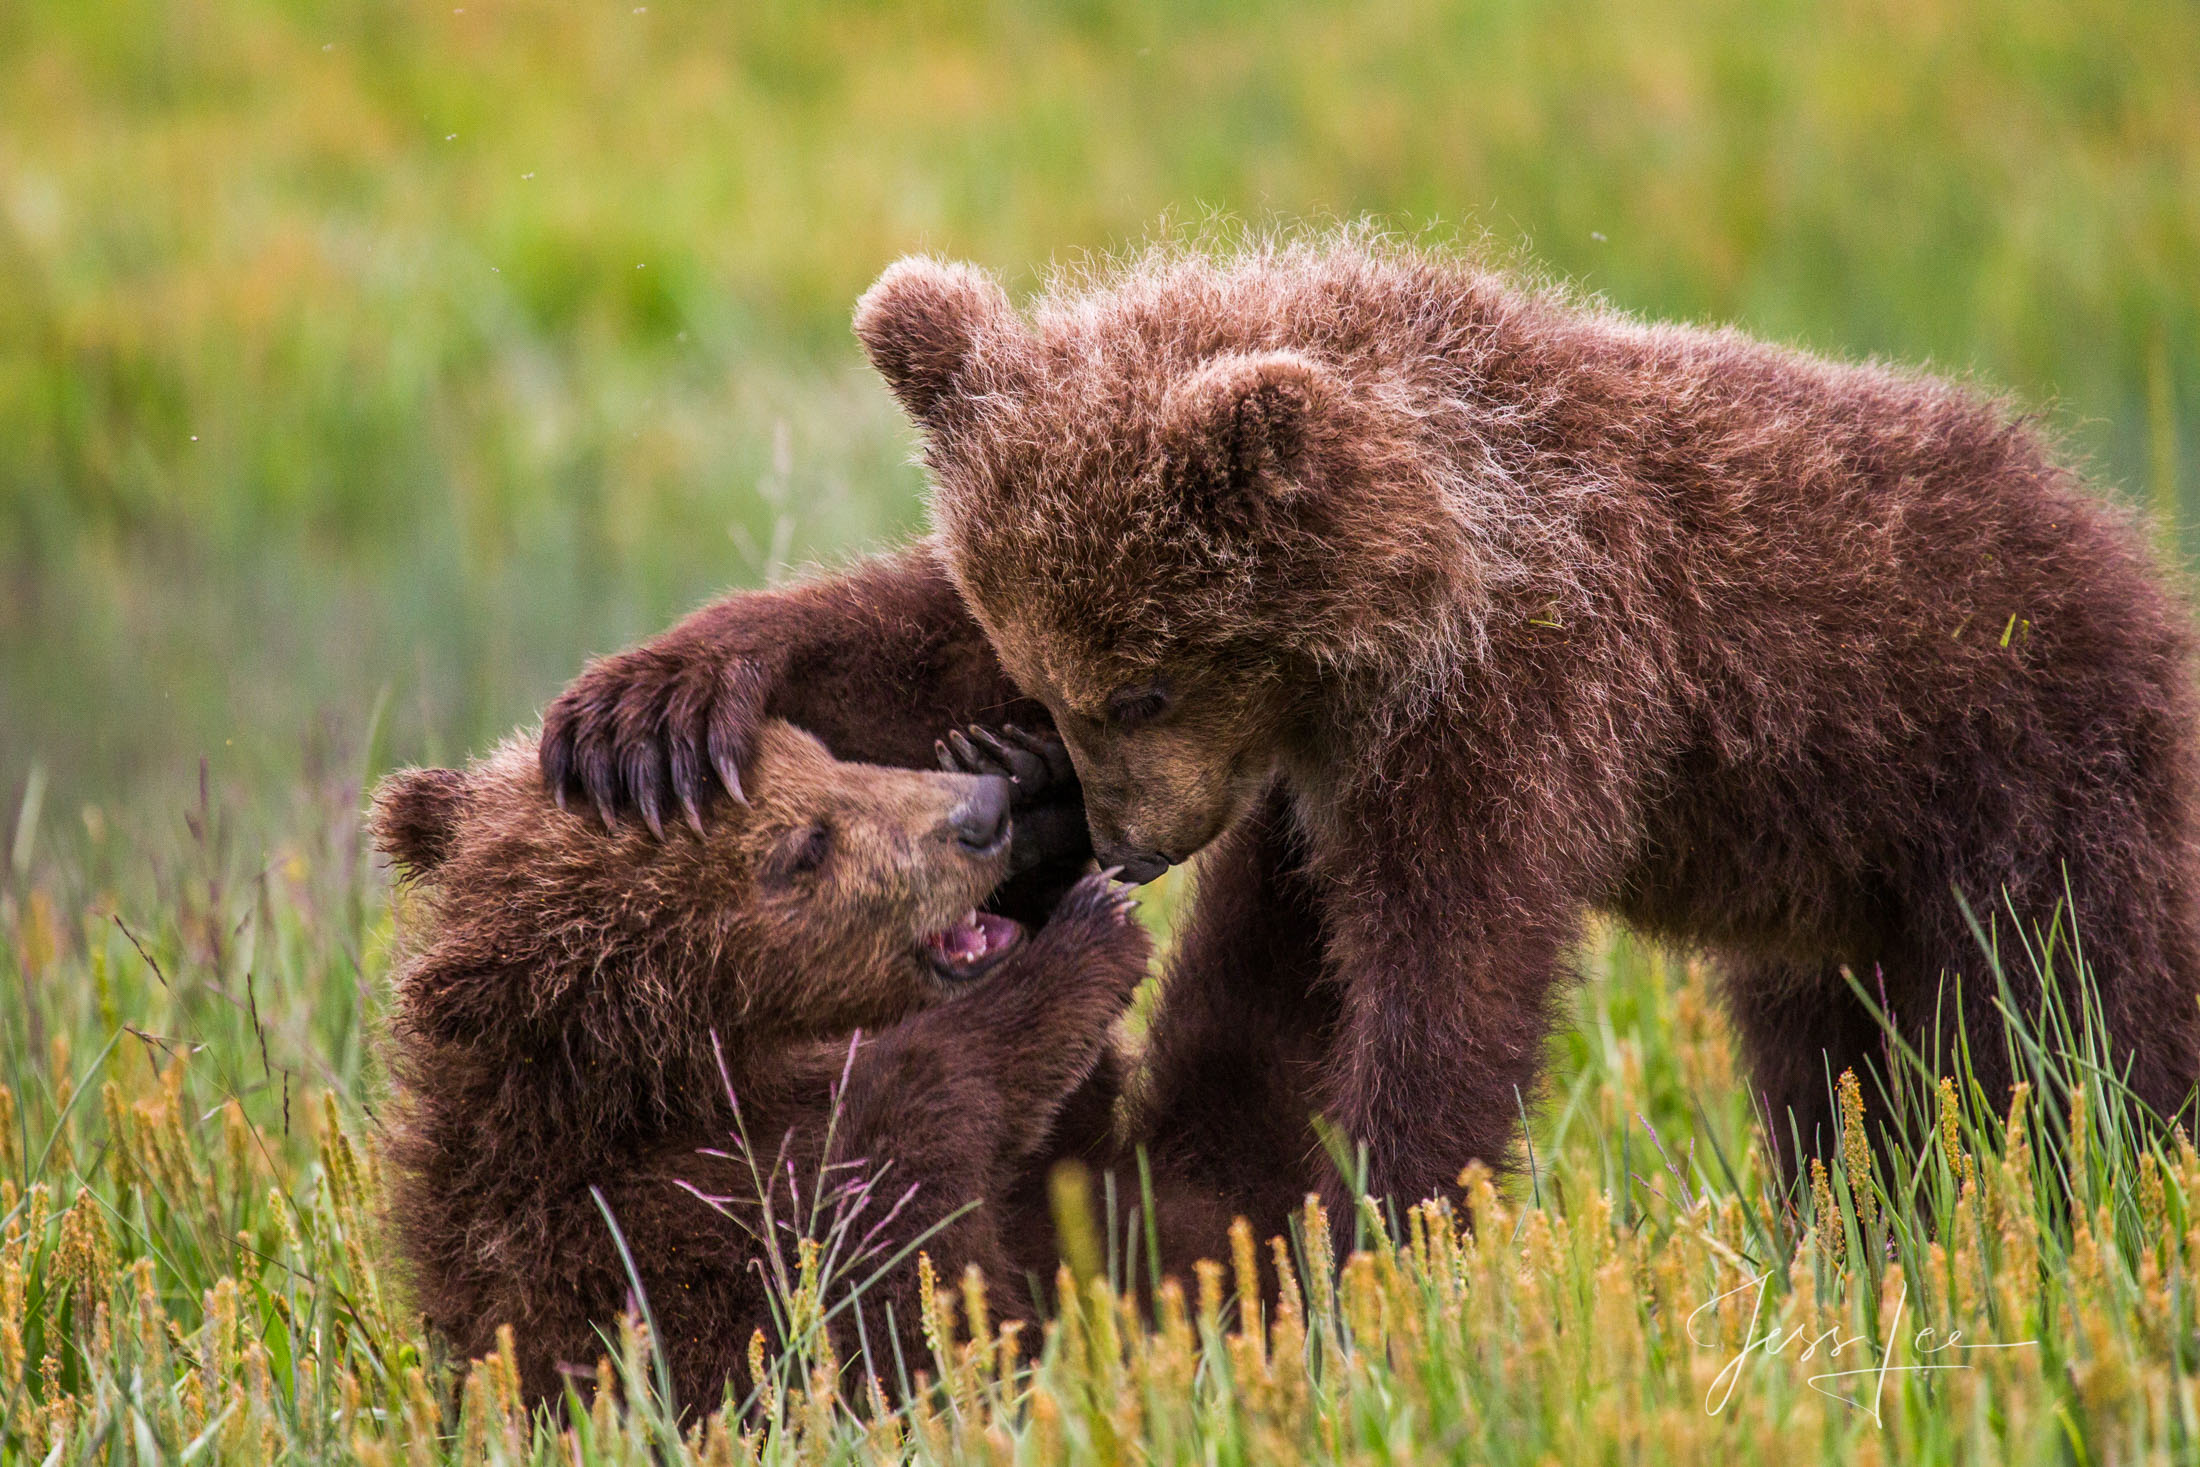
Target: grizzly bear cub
point(1501, 608)
point(584, 1026)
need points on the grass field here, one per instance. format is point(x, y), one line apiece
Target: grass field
point(363, 367)
point(189, 1266)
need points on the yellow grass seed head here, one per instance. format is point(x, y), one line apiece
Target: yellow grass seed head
point(1832, 1239)
point(11, 1150)
point(1069, 1196)
point(506, 1378)
point(2153, 1201)
point(1046, 1428)
point(2078, 1129)
point(1856, 1151)
point(13, 1295)
point(116, 1113)
point(38, 936)
point(977, 1316)
point(760, 1374)
point(60, 1156)
point(1321, 1264)
point(85, 1255)
point(717, 1443)
point(1951, 1132)
point(1289, 1305)
point(884, 1426)
point(938, 1312)
point(1245, 1267)
point(237, 1145)
point(1209, 1274)
point(1362, 1294)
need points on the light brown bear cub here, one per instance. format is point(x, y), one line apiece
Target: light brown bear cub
point(579, 1014)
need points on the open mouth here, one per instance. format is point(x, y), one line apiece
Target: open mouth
point(972, 946)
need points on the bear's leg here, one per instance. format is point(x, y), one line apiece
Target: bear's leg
point(876, 661)
point(1800, 1026)
point(1022, 1068)
point(1227, 1089)
point(1222, 1097)
point(2132, 934)
point(1452, 884)
point(1446, 1013)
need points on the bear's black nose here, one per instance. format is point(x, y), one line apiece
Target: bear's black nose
point(982, 820)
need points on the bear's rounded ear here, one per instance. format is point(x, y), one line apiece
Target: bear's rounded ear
point(1244, 427)
point(416, 815)
point(918, 324)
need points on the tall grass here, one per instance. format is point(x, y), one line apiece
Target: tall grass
point(191, 1270)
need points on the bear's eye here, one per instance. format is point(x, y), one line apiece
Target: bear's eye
point(1141, 704)
point(802, 851)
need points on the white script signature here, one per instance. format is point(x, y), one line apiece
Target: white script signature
point(1774, 1343)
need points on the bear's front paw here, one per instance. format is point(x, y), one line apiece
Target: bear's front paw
point(1038, 764)
point(653, 728)
point(1048, 805)
point(1099, 899)
point(1095, 938)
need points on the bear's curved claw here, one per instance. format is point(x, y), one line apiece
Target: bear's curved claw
point(1099, 897)
point(650, 730)
point(1037, 764)
point(1048, 749)
point(967, 754)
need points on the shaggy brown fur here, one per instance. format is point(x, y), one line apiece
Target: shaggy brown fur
point(578, 1009)
point(1533, 609)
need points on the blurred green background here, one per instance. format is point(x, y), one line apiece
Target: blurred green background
point(394, 357)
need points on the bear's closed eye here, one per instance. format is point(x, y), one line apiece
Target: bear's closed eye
point(1141, 704)
point(800, 852)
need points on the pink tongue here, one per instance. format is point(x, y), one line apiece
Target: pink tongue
point(966, 943)
point(984, 933)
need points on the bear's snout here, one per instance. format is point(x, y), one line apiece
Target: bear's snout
point(980, 823)
point(1132, 866)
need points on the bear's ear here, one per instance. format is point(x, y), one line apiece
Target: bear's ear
point(918, 324)
point(1243, 428)
point(416, 815)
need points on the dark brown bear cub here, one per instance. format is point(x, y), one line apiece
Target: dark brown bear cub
point(582, 1015)
point(1502, 608)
